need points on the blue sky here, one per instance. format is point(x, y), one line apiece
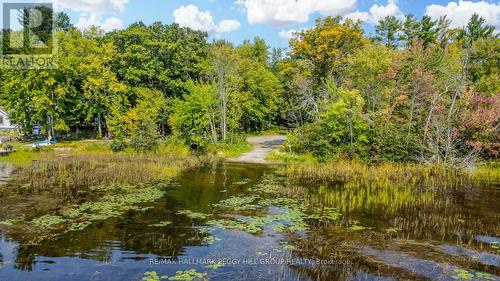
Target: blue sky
point(274, 20)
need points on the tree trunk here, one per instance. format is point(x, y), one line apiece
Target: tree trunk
point(223, 102)
point(99, 126)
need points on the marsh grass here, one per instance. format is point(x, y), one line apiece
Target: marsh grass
point(344, 171)
point(230, 149)
point(66, 175)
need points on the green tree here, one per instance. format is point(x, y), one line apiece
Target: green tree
point(138, 122)
point(88, 57)
point(63, 21)
point(410, 29)
point(484, 72)
point(161, 57)
point(195, 116)
point(370, 73)
point(255, 90)
point(387, 31)
point(224, 62)
point(428, 32)
point(341, 129)
point(476, 29)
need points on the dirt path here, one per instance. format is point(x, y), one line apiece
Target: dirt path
point(263, 145)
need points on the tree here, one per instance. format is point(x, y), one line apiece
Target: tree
point(300, 103)
point(484, 72)
point(138, 122)
point(410, 30)
point(161, 57)
point(387, 31)
point(195, 117)
point(341, 129)
point(328, 46)
point(63, 21)
point(428, 32)
point(256, 94)
point(89, 57)
point(258, 50)
point(476, 29)
point(223, 62)
point(38, 97)
point(370, 72)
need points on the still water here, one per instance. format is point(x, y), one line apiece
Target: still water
point(346, 232)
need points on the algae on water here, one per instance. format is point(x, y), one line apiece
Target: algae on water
point(116, 200)
point(193, 215)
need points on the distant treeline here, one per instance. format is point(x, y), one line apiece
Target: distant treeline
point(416, 91)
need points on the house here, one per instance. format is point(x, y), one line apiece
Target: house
point(5, 122)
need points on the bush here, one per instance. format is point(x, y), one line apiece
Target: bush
point(145, 137)
point(118, 145)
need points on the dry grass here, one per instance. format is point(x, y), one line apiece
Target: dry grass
point(68, 174)
point(399, 174)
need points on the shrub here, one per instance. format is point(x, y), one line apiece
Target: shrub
point(118, 145)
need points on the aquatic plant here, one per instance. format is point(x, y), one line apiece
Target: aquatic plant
point(193, 215)
point(161, 224)
point(115, 201)
point(47, 221)
point(356, 226)
point(8, 222)
point(463, 274)
point(152, 276)
point(242, 182)
point(392, 230)
point(188, 275)
point(292, 216)
point(288, 247)
point(210, 239)
point(252, 226)
point(239, 203)
point(215, 265)
point(288, 219)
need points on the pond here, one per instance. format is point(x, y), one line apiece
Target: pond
point(248, 222)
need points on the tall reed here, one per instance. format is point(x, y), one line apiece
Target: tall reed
point(399, 174)
point(67, 175)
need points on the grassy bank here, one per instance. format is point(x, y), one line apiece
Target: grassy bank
point(69, 186)
point(229, 150)
point(69, 168)
point(390, 173)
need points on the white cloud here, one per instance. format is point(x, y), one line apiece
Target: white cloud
point(191, 16)
point(362, 16)
point(378, 13)
point(94, 19)
point(285, 12)
point(92, 6)
point(228, 26)
point(460, 13)
point(288, 34)
point(92, 11)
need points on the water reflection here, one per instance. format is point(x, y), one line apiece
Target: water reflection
point(402, 233)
